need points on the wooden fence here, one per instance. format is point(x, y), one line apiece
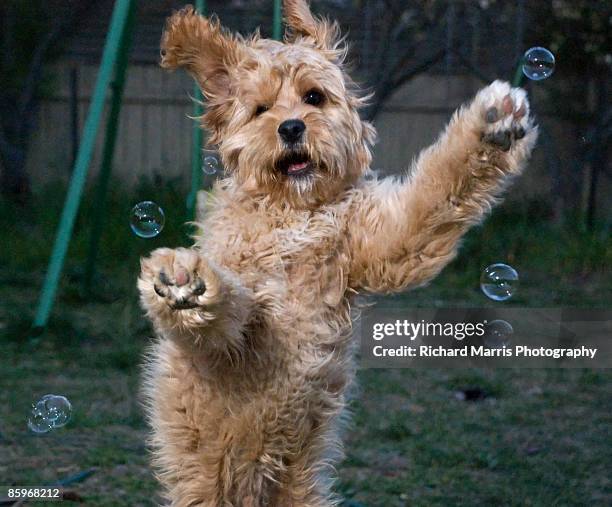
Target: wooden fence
point(155, 131)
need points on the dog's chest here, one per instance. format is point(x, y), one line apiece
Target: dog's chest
point(303, 252)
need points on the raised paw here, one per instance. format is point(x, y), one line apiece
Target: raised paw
point(504, 112)
point(181, 278)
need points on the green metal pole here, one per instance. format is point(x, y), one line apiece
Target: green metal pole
point(112, 123)
point(277, 21)
point(81, 166)
point(197, 140)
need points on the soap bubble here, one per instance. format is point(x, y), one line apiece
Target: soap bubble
point(51, 411)
point(147, 219)
point(538, 63)
point(37, 421)
point(499, 282)
point(58, 409)
point(498, 334)
point(210, 162)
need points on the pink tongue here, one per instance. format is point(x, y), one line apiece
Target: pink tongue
point(297, 167)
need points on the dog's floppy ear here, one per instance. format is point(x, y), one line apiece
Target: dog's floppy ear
point(301, 23)
point(203, 48)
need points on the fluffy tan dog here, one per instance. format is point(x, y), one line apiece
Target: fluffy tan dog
point(249, 375)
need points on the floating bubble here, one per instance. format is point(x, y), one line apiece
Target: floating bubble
point(538, 63)
point(147, 219)
point(498, 334)
point(58, 409)
point(37, 421)
point(51, 411)
point(499, 282)
point(210, 163)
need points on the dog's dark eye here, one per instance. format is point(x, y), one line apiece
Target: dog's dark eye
point(314, 98)
point(261, 109)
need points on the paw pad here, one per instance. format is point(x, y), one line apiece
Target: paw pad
point(505, 111)
point(502, 139)
point(177, 276)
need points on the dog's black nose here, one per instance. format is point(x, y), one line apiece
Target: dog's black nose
point(291, 130)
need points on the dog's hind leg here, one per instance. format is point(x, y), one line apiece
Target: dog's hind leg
point(201, 313)
point(187, 443)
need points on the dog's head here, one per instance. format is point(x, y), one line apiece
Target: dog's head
point(283, 115)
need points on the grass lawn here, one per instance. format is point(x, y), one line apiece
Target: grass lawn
point(541, 437)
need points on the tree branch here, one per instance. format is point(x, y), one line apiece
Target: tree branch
point(383, 93)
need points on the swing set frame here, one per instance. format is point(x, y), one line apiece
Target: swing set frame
point(111, 77)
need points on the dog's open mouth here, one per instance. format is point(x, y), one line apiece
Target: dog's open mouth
point(295, 164)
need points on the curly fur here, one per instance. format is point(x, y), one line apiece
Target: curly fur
point(248, 379)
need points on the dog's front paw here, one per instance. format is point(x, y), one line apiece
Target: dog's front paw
point(504, 117)
point(181, 279)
